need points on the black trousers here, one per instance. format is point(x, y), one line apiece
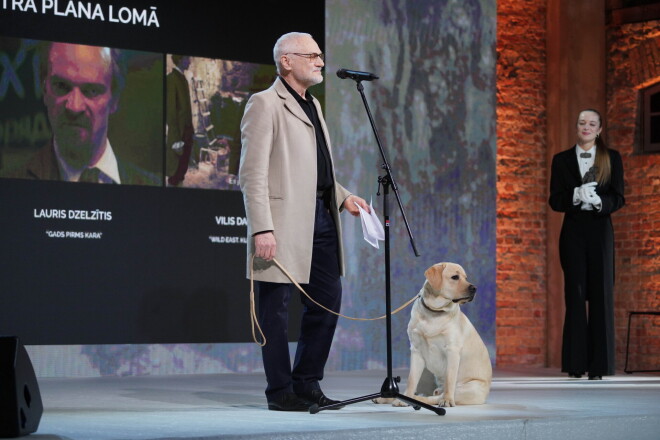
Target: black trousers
point(586, 250)
point(317, 325)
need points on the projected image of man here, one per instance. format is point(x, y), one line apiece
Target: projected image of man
point(180, 128)
point(81, 86)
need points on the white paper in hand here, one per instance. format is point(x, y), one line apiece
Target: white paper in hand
point(372, 228)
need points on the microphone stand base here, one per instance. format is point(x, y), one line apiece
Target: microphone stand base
point(389, 390)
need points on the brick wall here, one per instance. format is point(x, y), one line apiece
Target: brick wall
point(633, 63)
point(521, 183)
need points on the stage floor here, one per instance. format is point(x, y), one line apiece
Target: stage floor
point(523, 404)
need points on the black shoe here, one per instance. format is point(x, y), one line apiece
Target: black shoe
point(575, 375)
point(594, 377)
point(317, 396)
point(288, 402)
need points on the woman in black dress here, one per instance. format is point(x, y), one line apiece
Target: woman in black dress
point(587, 186)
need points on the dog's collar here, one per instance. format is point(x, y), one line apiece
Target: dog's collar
point(431, 309)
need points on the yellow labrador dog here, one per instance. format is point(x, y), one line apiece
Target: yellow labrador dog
point(444, 341)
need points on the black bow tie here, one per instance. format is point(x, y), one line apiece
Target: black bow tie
point(585, 155)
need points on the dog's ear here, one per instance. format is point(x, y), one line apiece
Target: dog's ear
point(434, 275)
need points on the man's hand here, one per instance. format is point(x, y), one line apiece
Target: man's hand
point(349, 205)
point(265, 245)
point(177, 147)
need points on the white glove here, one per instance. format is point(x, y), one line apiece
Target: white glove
point(594, 198)
point(582, 192)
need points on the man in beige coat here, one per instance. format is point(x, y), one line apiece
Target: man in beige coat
point(292, 202)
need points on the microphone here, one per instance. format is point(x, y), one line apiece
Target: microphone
point(356, 75)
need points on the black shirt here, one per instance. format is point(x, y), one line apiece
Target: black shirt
point(324, 179)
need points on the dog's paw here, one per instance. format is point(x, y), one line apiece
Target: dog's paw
point(446, 403)
point(399, 403)
point(381, 400)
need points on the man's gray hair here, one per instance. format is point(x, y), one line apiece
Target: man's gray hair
point(284, 45)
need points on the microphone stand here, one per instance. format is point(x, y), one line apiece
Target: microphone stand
point(390, 387)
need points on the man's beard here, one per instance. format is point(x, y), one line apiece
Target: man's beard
point(316, 79)
point(310, 79)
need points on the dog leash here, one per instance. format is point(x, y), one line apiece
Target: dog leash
point(254, 321)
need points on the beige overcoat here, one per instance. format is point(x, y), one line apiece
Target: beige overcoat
point(277, 175)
